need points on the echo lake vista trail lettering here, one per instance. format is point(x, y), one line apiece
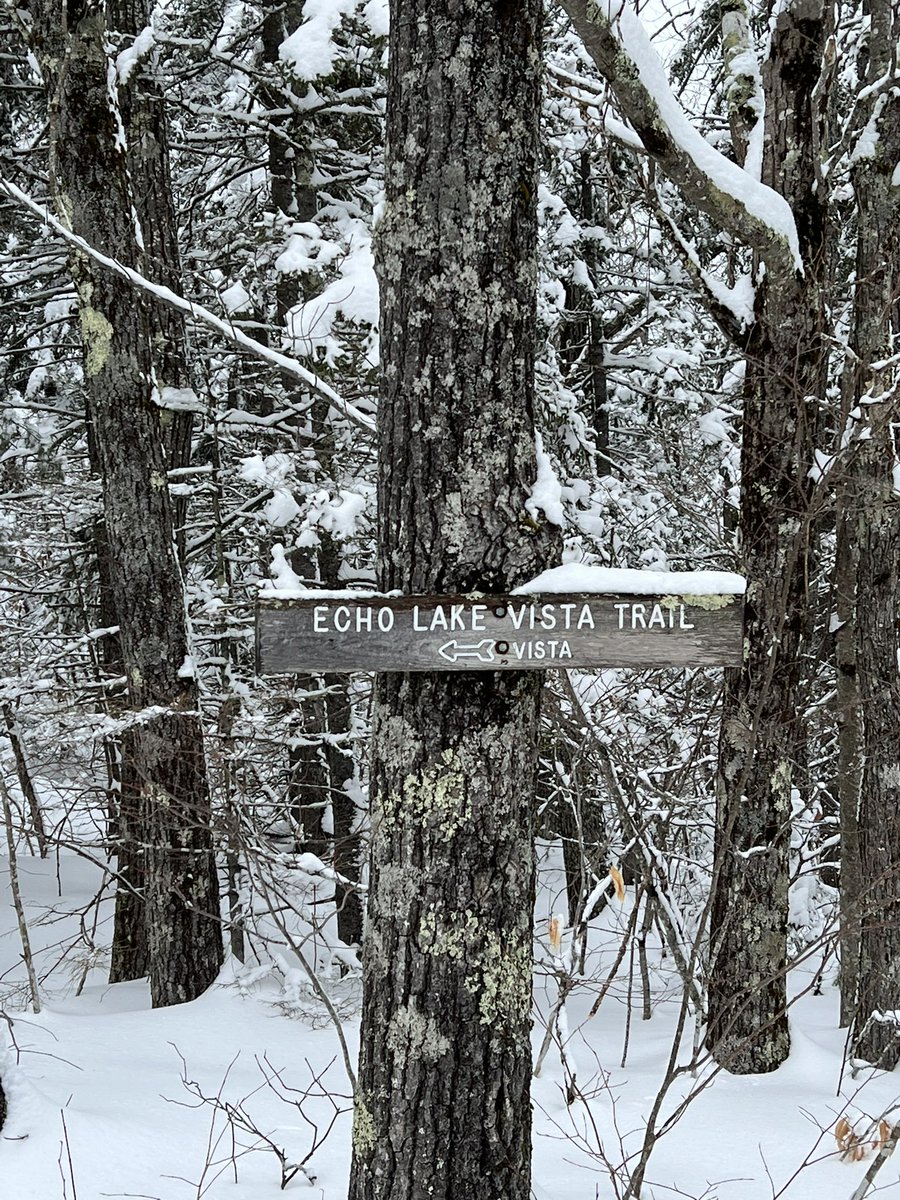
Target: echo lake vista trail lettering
point(452, 617)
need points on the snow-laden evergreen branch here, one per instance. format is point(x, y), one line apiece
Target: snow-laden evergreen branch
point(196, 311)
point(751, 212)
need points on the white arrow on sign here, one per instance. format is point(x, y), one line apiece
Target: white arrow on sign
point(453, 651)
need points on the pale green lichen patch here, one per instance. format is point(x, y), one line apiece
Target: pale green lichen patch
point(436, 797)
point(781, 779)
point(449, 940)
point(417, 1035)
point(502, 981)
point(710, 603)
point(398, 886)
point(363, 1128)
point(498, 969)
point(96, 333)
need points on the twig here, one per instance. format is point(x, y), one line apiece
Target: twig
point(69, 1154)
point(25, 781)
point(17, 899)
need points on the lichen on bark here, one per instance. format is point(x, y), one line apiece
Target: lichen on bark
point(445, 1059)
point(96, 334)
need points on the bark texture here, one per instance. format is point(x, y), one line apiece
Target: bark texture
point(747, 1027)
point(93, 193)
point(869, 550)
point(442, 1109)
point(147, 134)
point(146, 131)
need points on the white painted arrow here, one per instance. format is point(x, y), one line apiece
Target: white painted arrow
point(484, 650)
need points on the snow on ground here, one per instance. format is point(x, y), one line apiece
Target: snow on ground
point(99, 1108)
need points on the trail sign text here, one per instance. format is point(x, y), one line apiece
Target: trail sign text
point(491, 633)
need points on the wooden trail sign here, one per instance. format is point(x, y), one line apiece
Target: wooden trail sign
point(361, 632)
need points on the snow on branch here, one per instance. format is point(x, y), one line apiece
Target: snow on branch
point(730, 306)
point(742, 206)
point(196, 311)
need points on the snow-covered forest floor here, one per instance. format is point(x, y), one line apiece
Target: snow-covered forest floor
point(105, 1097)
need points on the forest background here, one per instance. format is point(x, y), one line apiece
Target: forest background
point(189, 198)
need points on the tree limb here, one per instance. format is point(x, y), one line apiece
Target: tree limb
point(751, 212)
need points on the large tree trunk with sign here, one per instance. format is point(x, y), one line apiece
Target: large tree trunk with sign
point(442, 1108)
point(164, 740)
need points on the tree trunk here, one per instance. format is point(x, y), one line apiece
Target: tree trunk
point(442, 1108)
point(26, 784)
point(147, 134)
point(869, 546)
point(146, 129)
point(130, 951)
point(93, 194)
point(876, 526)
point(747, 1027)
point(344, 814)
point(848, 719)
point(747, 1022)
point(786, 367)
point(583, 337)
